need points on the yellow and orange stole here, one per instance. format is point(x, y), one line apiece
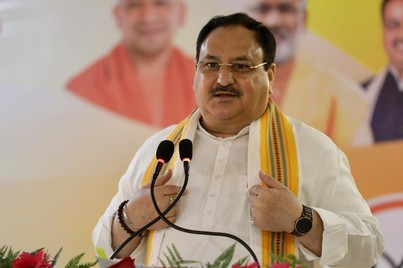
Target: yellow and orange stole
point(278, 158)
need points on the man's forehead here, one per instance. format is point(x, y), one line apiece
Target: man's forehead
point(231, 32)
point(237, 42)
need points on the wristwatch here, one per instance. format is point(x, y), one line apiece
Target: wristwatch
point(304, 223)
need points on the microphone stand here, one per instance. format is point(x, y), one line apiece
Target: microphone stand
point(162, 216)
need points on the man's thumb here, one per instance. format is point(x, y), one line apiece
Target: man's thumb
point(161, 180)
point(269, 181)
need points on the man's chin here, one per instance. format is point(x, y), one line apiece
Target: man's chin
point(150, 50)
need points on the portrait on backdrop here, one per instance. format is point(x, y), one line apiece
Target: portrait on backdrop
point(145, 74)
point(385, 90)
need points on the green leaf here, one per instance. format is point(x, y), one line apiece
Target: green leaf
point(56, 258)
point(176, 253)
point(242, 261)
point(88, 264)
point(163, 263)
point(224, 260)
point(170, 259)
point(7, 256)
point(174, 259)
point(73, 263)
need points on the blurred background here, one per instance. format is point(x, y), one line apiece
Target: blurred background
point(61, 156)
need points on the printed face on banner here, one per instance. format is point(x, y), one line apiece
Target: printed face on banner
point(393, 33)
point(148, 26)
point(285, 18)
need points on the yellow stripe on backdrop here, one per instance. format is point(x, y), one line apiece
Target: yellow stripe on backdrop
point(354, 26)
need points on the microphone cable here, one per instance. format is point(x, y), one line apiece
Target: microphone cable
point(164, 153)
point(184, 155)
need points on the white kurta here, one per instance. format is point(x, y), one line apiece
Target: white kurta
point(221, 174)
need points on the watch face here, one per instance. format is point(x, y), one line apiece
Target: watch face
point(303, 225)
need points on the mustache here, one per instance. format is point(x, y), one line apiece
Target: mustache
point(225, 89)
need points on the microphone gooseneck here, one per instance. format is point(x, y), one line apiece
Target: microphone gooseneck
point(185, 151)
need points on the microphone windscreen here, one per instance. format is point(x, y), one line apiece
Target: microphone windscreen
point(185, 149)
point(165, 150)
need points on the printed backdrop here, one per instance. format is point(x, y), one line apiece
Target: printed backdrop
point(61, 158)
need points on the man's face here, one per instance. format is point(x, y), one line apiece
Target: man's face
point(285, 18)
point(148, 26)
point(393, 32)
point(227, 97)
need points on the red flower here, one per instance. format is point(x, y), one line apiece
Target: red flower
point(124, 263)
point(32, 260)
point(247, 265)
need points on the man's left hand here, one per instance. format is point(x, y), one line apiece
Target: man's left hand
point(273, 206)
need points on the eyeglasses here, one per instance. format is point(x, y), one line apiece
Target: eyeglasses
point(213, 67)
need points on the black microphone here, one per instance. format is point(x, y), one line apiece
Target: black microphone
point(164, 153)
point(185, 151)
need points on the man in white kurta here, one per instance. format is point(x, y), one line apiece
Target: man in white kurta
point(226, 192)
point(218, 192)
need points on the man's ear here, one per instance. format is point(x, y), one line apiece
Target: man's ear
point(182, 13)
point(271, 73)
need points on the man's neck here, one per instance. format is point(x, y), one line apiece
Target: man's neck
point(147, 64)
point(283, 74)
point(223, 129)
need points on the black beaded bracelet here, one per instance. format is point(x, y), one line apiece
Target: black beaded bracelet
point(121, 219)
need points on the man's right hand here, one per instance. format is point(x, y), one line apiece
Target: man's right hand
point(141, 209)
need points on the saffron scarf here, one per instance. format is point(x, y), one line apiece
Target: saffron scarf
point(275, 153)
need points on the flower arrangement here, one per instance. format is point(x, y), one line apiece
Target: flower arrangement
point(172, 258)
point(37, 259)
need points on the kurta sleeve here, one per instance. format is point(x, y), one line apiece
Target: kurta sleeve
point(351, 235)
